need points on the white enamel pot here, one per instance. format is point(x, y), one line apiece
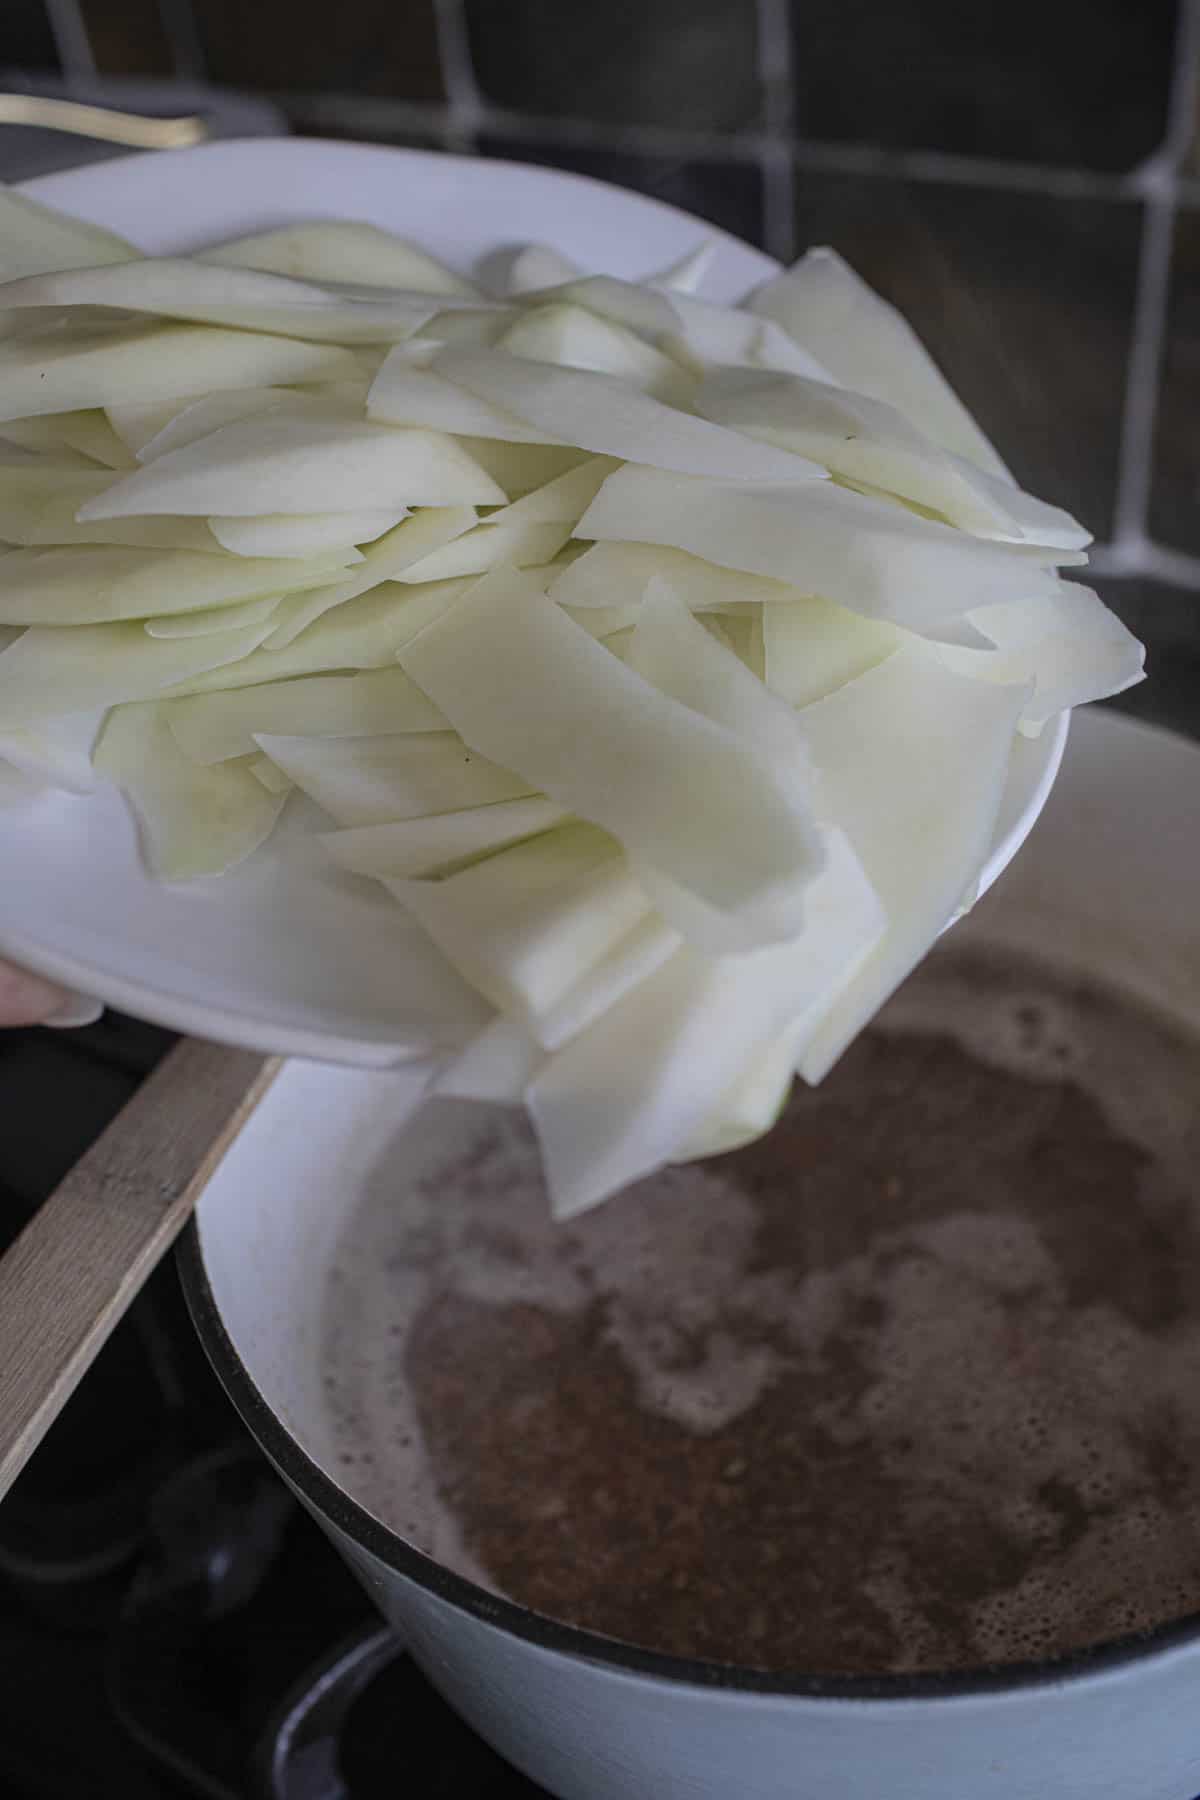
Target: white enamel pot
point(1109, 883)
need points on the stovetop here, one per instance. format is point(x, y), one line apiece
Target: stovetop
point(171, 1621)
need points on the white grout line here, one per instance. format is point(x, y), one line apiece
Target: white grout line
point(182, 31)
point(71, 39)
point(930, 166)
point(632, 139)
point(1159, 181)
point(779, 204)
point(1142, 560)
point(945, 168)
point(464, 101)
point(778, 101)
point(1175, 567)
point(1144, 371)
point(1106, 559)
point(775, 68)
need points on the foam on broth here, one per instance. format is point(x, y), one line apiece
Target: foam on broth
point(909, 1384)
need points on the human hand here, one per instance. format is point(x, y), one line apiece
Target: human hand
point(27, 999)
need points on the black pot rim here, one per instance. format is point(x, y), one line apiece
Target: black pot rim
point(330, 1501)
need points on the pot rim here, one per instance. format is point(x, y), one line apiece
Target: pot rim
point(329, 1500)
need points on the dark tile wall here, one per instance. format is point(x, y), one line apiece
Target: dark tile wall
point(26, 40)
point(128, 37)
point(1025, 298)
point(1077, 82)
point(310, 119)
point(979, 164)
point(684, 63)
point(724, 192)
point(351, 46)
point(1167, 620)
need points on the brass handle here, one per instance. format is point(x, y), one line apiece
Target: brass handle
point(102, 122)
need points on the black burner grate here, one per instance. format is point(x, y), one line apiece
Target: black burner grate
point(172, 1624)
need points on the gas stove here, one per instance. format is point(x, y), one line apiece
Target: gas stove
point(171, 1621)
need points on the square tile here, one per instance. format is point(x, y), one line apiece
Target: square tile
point(1025, 299)
point(26, 40)
point(357, 46)
point(1167, 619)
point(127, 37)
point(1175, 493)
point(1082, 83)
point(690, 64)
point(344, 121)
point(726, 193)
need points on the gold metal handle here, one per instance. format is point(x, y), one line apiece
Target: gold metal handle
point(102, 122)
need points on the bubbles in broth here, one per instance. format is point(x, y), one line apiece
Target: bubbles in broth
point(910, 1384)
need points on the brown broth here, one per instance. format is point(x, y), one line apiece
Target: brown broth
point(912, 1383)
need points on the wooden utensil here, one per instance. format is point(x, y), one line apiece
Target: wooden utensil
point(67, 1280)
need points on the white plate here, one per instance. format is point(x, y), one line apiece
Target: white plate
point(286, 954)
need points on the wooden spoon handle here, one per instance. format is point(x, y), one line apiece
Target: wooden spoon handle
point(68, 1278)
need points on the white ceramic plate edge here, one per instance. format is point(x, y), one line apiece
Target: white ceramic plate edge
point(174, 199)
